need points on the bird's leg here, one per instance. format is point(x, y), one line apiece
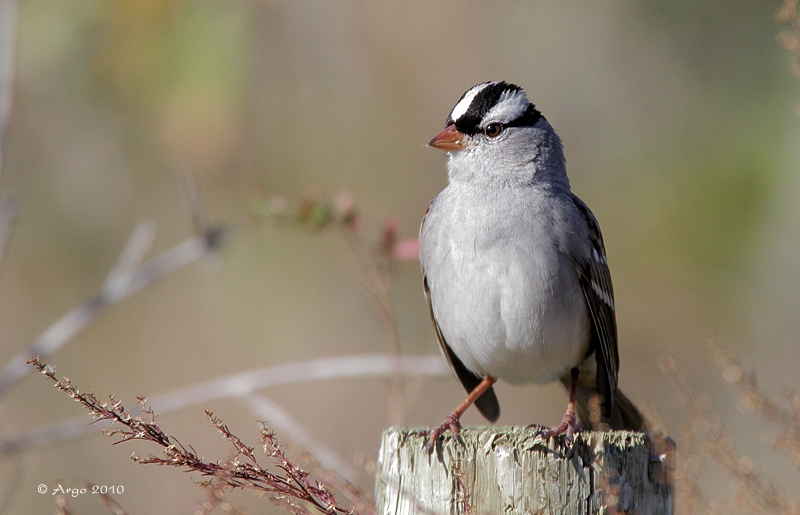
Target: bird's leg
point(452, 421)
point(568, 425)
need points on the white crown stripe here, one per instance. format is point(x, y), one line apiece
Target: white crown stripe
point(510, 106)
point(462, 106)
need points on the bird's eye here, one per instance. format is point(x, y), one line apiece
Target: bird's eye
point(493, 130)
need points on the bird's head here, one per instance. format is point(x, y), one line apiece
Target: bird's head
point(495, 131)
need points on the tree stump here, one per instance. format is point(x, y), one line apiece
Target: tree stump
point(512, 471)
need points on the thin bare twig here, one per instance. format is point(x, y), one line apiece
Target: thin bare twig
point(288, 484)
point(784, 420)
point(8, 214)
point(9, 207)
point(376, 269)
point(246, 383)
point(62, 506)
point(126, 277)
point(123, 281)
point(790, 37)
point(8, 47)
point(376, 263)
point(354, 495)
point(191, 195)
point(216, 497)
point(705, 435)
point(284, 422)
point(107, 500)
point(10, 204)
point(11, 488)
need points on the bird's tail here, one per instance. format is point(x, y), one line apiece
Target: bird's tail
point(624, 414)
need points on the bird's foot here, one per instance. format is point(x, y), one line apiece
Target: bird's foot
point(452, 423)
point(568, 427)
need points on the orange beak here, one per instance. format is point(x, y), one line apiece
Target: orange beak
point(449, 139)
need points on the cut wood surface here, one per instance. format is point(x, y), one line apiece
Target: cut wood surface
point(509, 470)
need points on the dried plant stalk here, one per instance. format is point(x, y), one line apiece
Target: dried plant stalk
point(289, 486)
point(376, 262)
point(790, 37)
point(706, 437)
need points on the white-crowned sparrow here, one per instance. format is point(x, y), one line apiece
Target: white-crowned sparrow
point(514, 267)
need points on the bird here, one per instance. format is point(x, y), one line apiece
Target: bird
point(514, 267)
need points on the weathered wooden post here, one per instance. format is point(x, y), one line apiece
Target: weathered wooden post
point(508, 471)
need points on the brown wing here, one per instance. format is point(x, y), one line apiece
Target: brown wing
point(595, 279)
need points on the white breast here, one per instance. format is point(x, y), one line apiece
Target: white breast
point(499, 285)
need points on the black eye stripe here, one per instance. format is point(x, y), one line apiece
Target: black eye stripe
point(484, 101)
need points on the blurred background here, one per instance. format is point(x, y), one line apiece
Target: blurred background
point(680, 130)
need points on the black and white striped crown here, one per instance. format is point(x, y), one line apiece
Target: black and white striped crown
point(498, 101)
